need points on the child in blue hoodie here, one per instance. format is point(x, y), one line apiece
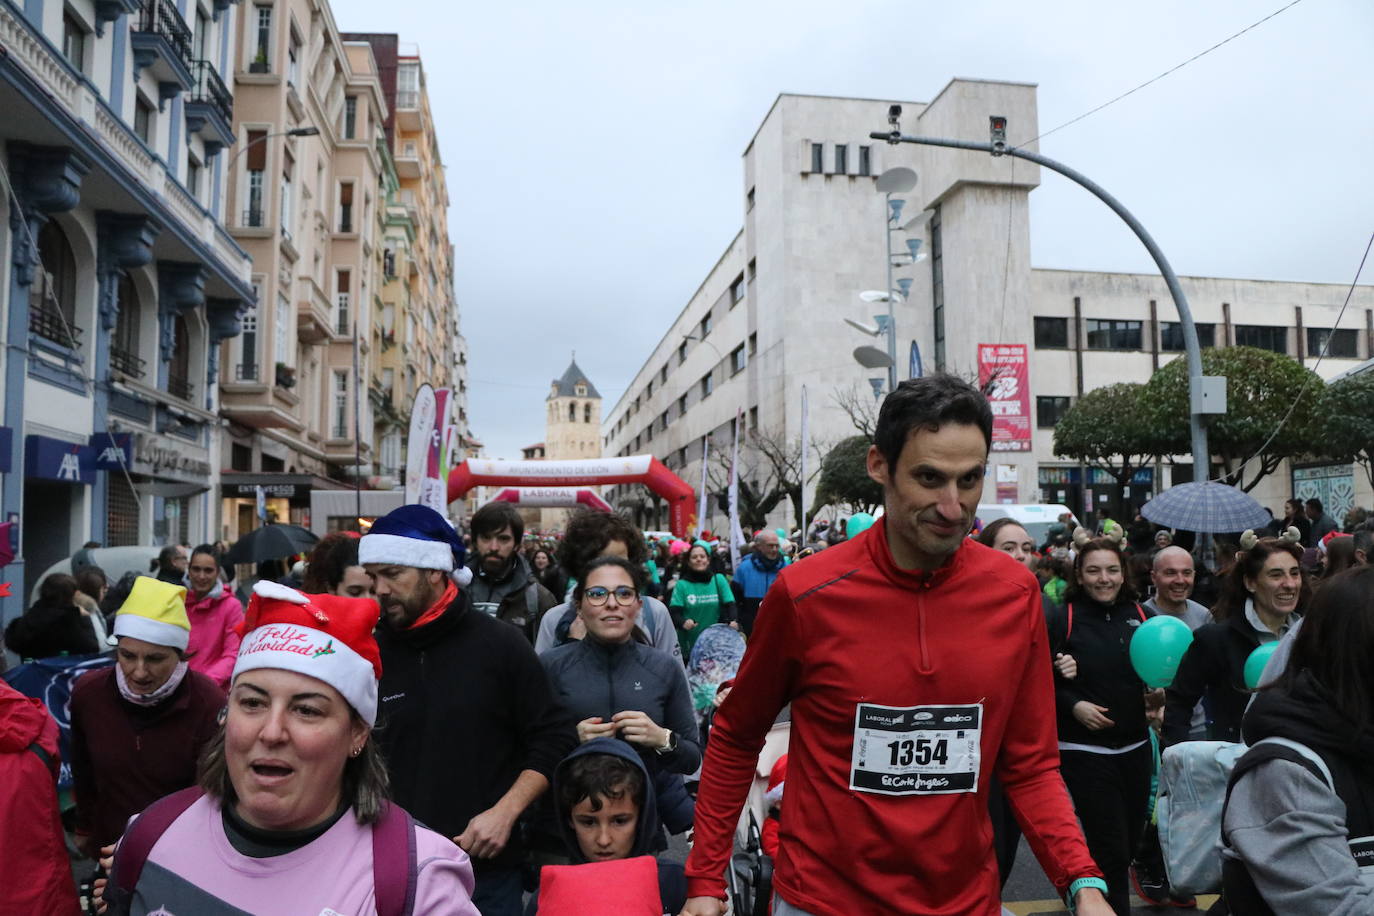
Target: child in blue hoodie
point(606, 812)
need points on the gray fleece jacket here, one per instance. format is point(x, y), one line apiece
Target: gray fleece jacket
point(1285, 823)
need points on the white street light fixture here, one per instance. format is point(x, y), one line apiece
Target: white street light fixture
point(869, 329)
point(877, 295)
point(872, 358)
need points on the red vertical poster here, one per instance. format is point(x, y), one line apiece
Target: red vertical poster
point(1004, 373)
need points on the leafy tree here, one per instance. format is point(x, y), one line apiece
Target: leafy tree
point(1106, 428)
point(844, 476)
point(1348, 406)
point(1274, 412)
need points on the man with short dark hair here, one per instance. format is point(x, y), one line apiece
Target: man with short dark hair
point(502, 583)
point(1322, 524)
point(171, 564)
point(916, 663)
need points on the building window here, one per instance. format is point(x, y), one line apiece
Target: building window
point(572, 413)
point(143, 120)
point(663, 422)
point(663, 374)
point(288, 206)
point(201, 39)
point(737, 290)
point(340, 404)
point(281, 331)
point(682, 353)
point(754, 418)
point(124, 345)
point(682, 405)
point(749, 201)
point(1344, 343)
point(263, 43)
point(751, 270)
point(346, 206)
point(705, 325)
point(1265, 337)
point(1049, 410)
point(753, 344)
point(1113, 334)
point(841, 159)
point(1171, 336)
point(1051, 333)
point(179, 368)
point(255, 152)
point(587, 412)
point(708, 383)
point(247, 369)
point(342, 297)
point(818, 157)
point(293, 62)
point(408, 85)
point(74, 40)
point(937, 287)
point(350, 130)
point(52, 295)
point(738, 360)
point(865, 160)
point(193, 171)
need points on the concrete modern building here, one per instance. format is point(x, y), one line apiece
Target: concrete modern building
point(767, 319)
point(119, 282)
point(305, 193)
point(572, 428)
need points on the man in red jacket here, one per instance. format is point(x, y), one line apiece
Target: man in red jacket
point(916, 665)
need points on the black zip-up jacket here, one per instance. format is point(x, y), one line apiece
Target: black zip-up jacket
point(1100, 642)
point(465, 707)
point(1214, 667)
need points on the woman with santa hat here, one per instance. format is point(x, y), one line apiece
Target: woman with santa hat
point(291, 814)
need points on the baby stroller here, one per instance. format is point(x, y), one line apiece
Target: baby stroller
point(750, 875)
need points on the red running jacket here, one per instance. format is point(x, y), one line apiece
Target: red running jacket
point(908, 690)
point(32, 848)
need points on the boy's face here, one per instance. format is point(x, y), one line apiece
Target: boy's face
point(608, 833)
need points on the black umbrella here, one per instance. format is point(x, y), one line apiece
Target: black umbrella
point(270, 542)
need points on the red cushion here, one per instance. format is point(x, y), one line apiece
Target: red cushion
point(625, 887)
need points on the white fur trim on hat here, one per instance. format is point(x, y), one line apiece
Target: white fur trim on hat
point(266, 588)
point(404, 551)
point(154, 631)
point(314, 653)
point(774, 795)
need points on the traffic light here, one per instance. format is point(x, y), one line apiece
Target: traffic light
point(997, 124)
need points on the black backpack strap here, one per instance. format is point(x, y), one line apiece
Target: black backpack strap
point(47, 758)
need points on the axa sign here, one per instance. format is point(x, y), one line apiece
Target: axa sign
point(53, 459)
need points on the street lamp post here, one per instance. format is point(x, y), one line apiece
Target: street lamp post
point(293, 132)
point(1206, 394)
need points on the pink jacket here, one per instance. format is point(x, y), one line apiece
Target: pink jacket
point(214, 633)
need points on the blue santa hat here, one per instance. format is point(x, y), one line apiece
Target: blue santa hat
point(415, 536)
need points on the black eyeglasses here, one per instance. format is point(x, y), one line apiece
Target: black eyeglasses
point(596, 595)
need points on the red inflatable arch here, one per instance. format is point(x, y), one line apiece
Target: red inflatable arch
point(645, 469)
point(552, 497)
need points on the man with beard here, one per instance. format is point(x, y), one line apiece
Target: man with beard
point(756, 574)
point(502, 583)
point(472, 733)
point(917, 665)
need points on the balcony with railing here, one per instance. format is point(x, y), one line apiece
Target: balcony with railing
point(210, 108)
point(408, 160)
point(179, 386)
point(255, 218)
point(247, 372)
point(161, 43)
point(127, 362)
point(51, 325)
point(341, 315)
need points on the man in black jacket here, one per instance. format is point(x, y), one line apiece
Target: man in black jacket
point(502, 584)
point(468, 723)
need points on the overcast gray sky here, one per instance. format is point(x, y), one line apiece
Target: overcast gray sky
point(593, 149)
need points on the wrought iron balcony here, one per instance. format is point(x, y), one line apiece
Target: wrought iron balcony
point(50, 324)
point(210, 108)
point(129, 363)
point(254, 219)
point(180, 387)
point(161, 43)
point(247, 372)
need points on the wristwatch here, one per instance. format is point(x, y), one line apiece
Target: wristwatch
point(1078, 885)
point(670, 745)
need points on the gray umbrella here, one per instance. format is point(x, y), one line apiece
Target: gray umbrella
point(270, 542)
point(1207, 507)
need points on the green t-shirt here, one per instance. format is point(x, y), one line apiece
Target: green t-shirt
point(699, 602)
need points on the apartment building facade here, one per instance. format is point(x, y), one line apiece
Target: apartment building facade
point(306, 198)
point(767, 320)
point(120, 280)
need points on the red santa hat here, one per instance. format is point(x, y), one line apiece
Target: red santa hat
point(328, 637)
point(776, 777)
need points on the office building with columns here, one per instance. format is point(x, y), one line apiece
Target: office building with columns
point(768, 317)
point(119, 281)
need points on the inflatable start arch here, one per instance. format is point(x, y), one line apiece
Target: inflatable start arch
point(645, 469)
point(552, 497)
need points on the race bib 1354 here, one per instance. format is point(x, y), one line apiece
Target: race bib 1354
point(916, 750)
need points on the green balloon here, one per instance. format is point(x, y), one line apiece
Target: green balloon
point(1157, 648)
point(1254, 665)
point(781, 533)
point(858, 523)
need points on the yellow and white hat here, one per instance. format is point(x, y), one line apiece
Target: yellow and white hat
point(155, 612)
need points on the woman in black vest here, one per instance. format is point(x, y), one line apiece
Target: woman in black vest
point(1299, 820)
point(1104, 745)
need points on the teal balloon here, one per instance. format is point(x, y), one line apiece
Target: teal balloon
point(1157, 648)
point(781, 533)
point(858, 523)
point(1254, 665)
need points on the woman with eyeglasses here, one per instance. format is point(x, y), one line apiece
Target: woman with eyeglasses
point(613, 685)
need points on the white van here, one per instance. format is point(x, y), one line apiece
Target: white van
point(1036, 518)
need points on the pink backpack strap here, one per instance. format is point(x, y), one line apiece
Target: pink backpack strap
point(1068, 626)
point(138, 841)
point(394, 868)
